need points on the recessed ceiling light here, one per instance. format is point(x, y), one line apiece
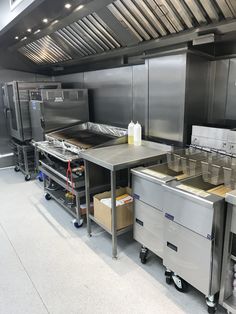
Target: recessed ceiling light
point(79, 7)
point(38, 31)
point(55, 22)
point(29, 30)
point(68, 6)
point(17, 37)
point(45, 20)
point(24, 38)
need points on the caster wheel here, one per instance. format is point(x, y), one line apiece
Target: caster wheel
point(211, 310)
point(16, 169)
point(143, 255)
point(78, 224)
point(143, 260)
point(48, 197)
point(180, 284)
point(168, 275)
point(27, 177)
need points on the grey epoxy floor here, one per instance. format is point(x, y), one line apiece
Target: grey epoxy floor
point(47, 266)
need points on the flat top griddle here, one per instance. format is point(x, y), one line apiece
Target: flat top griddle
point(82, 138)
point(67, 144)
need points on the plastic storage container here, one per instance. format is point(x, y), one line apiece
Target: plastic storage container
point(137, 134)
point(131, 133)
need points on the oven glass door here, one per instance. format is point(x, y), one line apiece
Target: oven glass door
point(15, 114)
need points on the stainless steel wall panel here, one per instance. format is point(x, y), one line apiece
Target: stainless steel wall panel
point(166, 95)
point(140, 96)
point(110, 95)
point(231, 94)
point(75, 80)
point(197, 92)
point(217, 102)
point(167, 77)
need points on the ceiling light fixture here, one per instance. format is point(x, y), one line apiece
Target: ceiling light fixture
point(29, 30)
point(79, 7)
point(38, 31)
point(17, 37)
point(45, 20)
point(67, 6)
point(24, 38)
point(54, 22)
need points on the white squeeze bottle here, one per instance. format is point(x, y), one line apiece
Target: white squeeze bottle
point(137, 134)
point(131, 133)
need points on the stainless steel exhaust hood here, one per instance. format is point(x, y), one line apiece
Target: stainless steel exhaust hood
point(128, 23)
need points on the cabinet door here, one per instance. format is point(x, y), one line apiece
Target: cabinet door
point(188, 254)
point(148, 227)
point(148, 192)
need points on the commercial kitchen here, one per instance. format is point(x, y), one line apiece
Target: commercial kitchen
point(117, 156)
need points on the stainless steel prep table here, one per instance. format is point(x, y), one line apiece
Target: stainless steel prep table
point(114, 159)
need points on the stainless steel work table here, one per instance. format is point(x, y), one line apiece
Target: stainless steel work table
point(116, 158)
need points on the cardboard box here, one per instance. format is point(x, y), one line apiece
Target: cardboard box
point(103, 213)
point(83, 209)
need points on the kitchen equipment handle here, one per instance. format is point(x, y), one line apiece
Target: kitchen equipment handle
point(140, 222)
point(42, 123)
point(172, 246)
